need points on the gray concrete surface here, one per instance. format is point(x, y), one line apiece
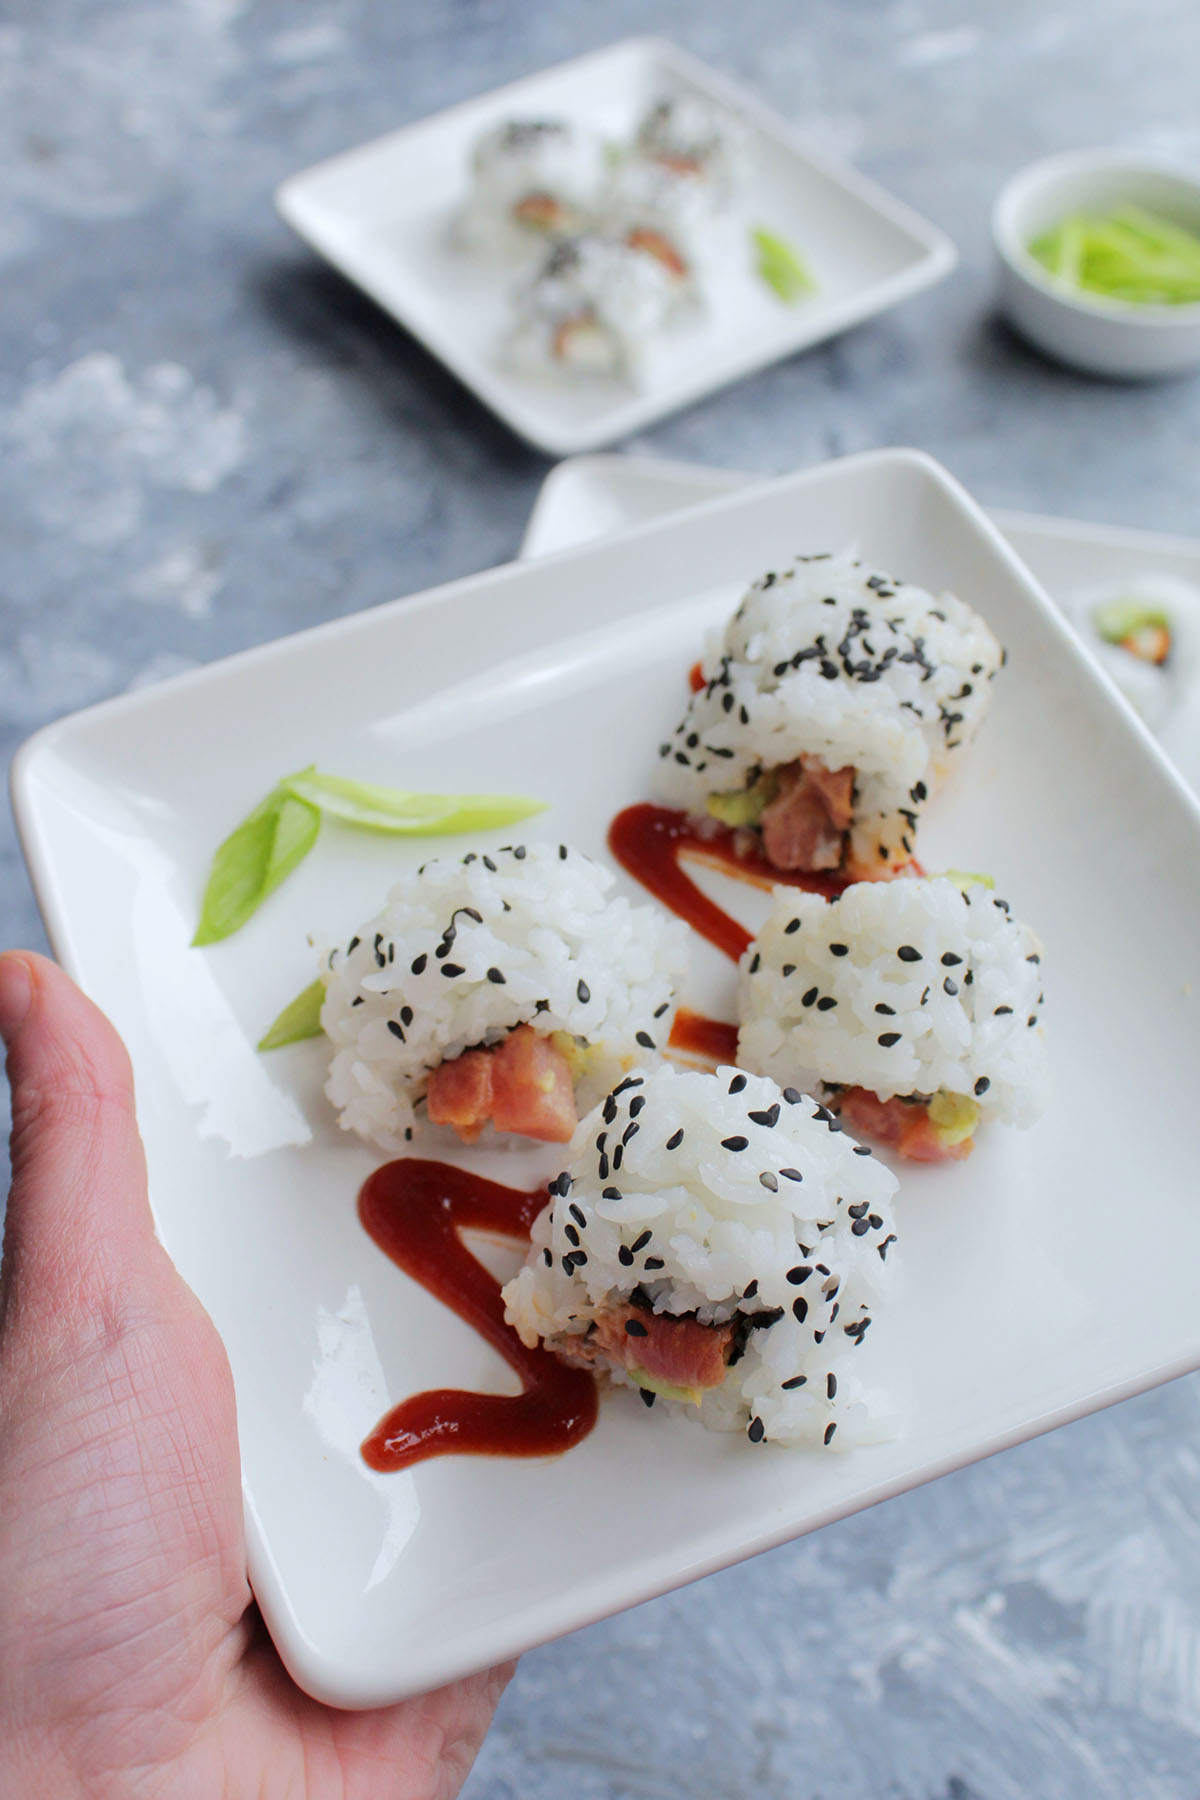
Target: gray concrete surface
point(207, 439)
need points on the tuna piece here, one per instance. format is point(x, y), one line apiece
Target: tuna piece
point(521, 1084)
point(904, 1125)
point(805, 825)
point(681, 1353)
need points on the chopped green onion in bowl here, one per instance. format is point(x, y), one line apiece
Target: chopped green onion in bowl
point(1128, 255)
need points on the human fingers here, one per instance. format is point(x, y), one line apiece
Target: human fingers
point(78, 1212)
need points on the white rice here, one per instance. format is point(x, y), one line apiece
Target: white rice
point(466, 950)
point(721, 1197)
point(590, 310)
point(520, 159)
point(833, 659)
point(901, 987)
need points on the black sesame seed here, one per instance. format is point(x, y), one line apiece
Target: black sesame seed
point(796, 1381)
point(755, 1430)
point(635, 1328)
point(767, 1118)
point(808, 998)
point(999, 1011)
point(617, 1156)
point(755, 963)
point(792, 925)
point(982, 1085)
point(547, 1259)
point(788, 969)
point(888, 1038)
point(862, 1150)
point(396, 1029)
point(610, 1193)
point(644, 1039)
point(625, 1256)
point(577, 1213)
point(860, 1227)
point(839, 949)
point(826, 1003)
point(829, 1431)
point(831, 1386)
point(791, 1174)
point(496, 976)
point(452, 970)
point(907, 953)
point(630, 1131)
point(610, 1110)
point(584, 993)
point(800, 1308)
point(648, 1396)
point(799, 1275)
point(737, 1084)
point(734, 1143)
point(418, 966)
point(654, 1262)
point(674, 1141)
point(749, 1291)
point(769, 1181)
point(793, 1096)
point(889, 1012)
point(636, 1105)
point(643, 1238)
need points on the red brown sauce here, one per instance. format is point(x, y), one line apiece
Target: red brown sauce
point(696, 1035)
point(415, 1211)
point(696, 677)
point(649, 841)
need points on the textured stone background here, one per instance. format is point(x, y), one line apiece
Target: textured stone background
point(207, 439)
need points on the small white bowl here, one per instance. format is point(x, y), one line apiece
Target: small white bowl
point(1106, 337)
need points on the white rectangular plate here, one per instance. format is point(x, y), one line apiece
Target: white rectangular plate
point(382, 214)
point(1051, 1274)
point(589, 497)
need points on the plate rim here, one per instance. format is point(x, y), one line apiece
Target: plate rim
point(937, 254)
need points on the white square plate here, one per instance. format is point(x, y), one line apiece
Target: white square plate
point(382, 214)
point(1051, 1274)
point(589, 497)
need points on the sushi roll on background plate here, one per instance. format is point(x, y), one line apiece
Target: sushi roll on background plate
point(509, 988)
point(695, 137)
point(915, 1004)
point(832, 704)
point(665, 214)
point(531, 179)
point(590, 310)
point(1145, 634)
point(717, 1244)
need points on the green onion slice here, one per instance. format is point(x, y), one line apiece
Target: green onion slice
point(301, 1019)
point(781, 267)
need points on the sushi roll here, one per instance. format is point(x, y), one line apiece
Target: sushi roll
point(531, 179)
point(717, 1244)
point(835, 700)
point(508, 988)
point(915, 1005)
point(1145, 634)
point(590, 310)
point(695, 137)
point(665, 214)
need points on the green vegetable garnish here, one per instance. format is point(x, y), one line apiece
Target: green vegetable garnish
point(953, 1116)
point(964, 879)
point(302, 1019)
point(744, 806)
point(1129, 255)
point(654, 1384)
point(406, 814)
point(781, 267)
point(1117, 620)
point(283, 828)
point(253, 860)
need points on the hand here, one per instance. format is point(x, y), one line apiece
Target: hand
point(132, 1659)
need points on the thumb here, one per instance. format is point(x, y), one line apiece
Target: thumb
point(78, 1213)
